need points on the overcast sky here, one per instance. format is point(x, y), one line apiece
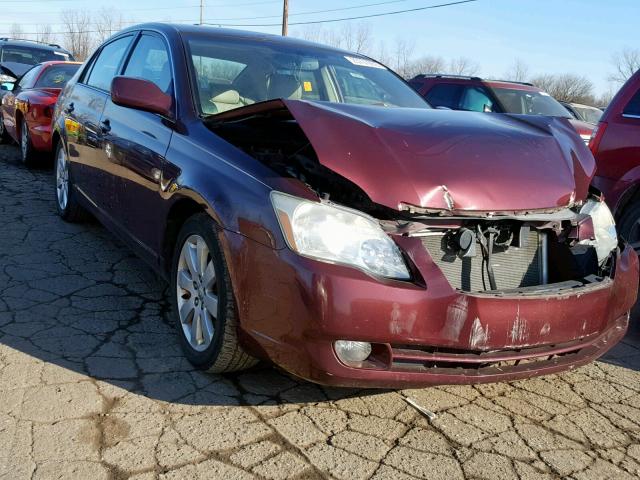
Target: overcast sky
point(551, 36)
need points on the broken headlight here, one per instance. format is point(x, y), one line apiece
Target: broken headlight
point(604, 228)
point(338, 235)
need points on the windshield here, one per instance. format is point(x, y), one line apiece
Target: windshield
point(30, 56)
point(232, 74)
point(530, 103)
point(591, 115)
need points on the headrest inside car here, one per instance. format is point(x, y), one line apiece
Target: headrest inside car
point(228, 96)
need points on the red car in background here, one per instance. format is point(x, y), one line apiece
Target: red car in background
point(616, 146)
point(27, 110)
point(497, 96)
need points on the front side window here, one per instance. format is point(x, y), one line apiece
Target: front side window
point(529, 102)
point(231, 74)
point(150, 61)
point(107, 64)
point(31, 56)
point(56, 76)
point(633, 107)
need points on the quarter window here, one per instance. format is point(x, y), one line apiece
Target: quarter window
point(28, 78)
point(107, 64)
point(150, 61)
point(633, 107)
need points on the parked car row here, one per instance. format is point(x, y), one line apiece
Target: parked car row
point(309, 207)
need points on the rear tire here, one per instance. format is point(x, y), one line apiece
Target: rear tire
point(27, 152)
point(4, 136)
point(629, 224)
point(204, 306)
point(66, 201)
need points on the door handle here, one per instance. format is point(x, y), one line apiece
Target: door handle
point(69, 108)
point(105, 126)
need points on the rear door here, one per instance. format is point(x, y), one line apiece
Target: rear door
point(135, 146)
point(83, 110)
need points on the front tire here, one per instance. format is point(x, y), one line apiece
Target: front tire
point(27, 152)
point(66, 202)
point(203, 303)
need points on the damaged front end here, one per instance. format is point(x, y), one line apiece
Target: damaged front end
point(485, 254)
point(564, 241)
point(528, 253)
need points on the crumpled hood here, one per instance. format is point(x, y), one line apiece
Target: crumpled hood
point(449, 160)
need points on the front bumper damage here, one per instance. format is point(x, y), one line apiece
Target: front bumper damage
point(422, 334)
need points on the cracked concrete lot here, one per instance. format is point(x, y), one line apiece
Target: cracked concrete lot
point(93, 385)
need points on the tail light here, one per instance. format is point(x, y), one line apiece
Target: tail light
point(596, 137)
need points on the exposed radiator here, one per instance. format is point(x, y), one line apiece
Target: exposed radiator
point(513, 267)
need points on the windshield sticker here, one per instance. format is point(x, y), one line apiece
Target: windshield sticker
point(364, 62)
point(545, 94)
point(307, 87)
point(62, 54)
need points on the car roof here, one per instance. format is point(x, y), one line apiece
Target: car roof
point(229, 33)
point(32, 44)
point(448, 78)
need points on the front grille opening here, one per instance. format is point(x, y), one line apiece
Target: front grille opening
point(514, 267)
point(511, 257)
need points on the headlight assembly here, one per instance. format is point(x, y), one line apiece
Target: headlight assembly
point(338, 235)
point(604, 227)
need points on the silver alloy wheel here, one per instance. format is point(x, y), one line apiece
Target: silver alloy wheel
point(197, 293)
point(24, 143)
point(62, 179)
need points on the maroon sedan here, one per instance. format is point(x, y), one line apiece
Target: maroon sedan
point(27, 110)
point(616, 146)
point(309, 208)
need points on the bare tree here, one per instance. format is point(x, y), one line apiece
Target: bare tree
point(427, 64)
point(356, 38)
point(463, 66)
point(16, 31)
point(45, 34)
point(107, 22)
point(77, 33)
point(402, 57)
point(518, 71)
point(566, 87)
point(626, 63)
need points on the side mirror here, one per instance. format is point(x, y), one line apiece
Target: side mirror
point(7, 86)
point(140, 94)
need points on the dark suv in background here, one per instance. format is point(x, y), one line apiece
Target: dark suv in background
point(498, 96)
point(18, 56)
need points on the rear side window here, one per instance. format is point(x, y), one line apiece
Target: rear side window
point(445, 95)
point(150, 61)
point(56, 76)
point(107, 64)
point(633, 107)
